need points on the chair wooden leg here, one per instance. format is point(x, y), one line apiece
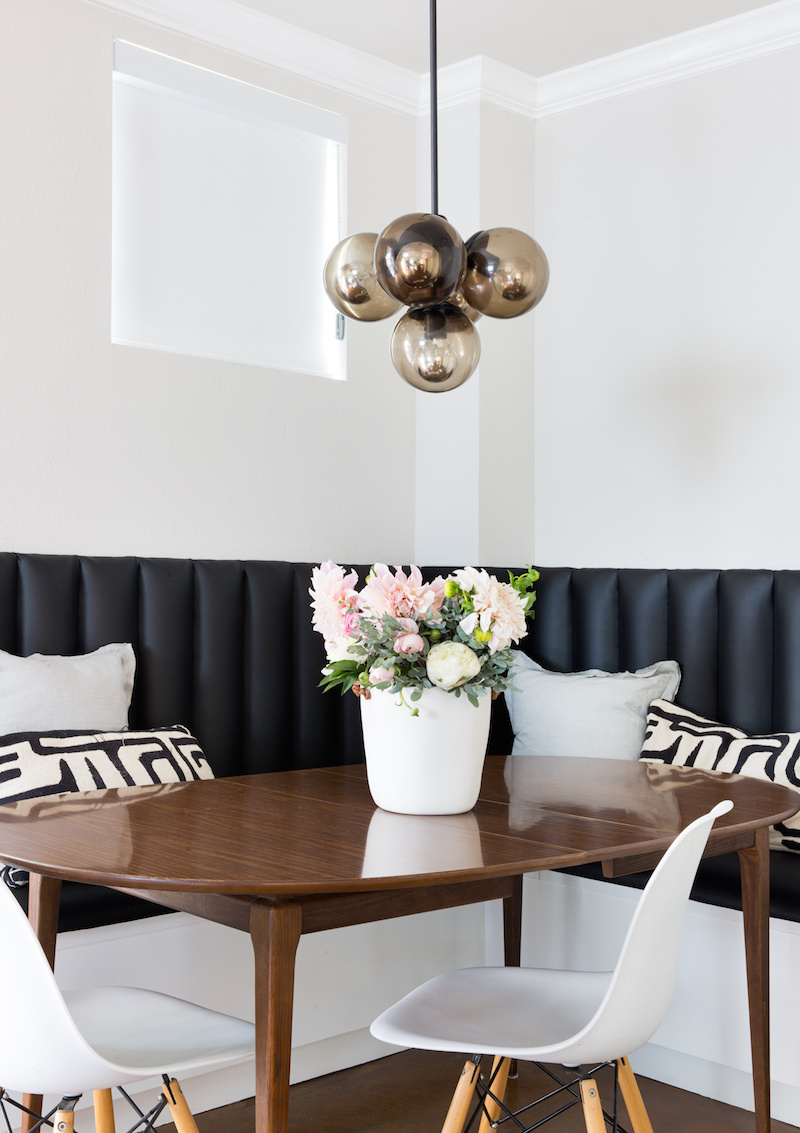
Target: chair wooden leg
point(640, 1122)
point(181, 1114)
point(103, 1111)
point(64, 1121)
point(592, 1109)
point(459, 1106)
point(500, 1068)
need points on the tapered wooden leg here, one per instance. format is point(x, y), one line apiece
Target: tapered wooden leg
point(459, 1106)
point(754, 866)
point(178, 1107)
point(592, 1109)
point(512, 925)
point(103, 1111)
point(500, 1068)
point(512, 937)
point(43, 899)
point(640, 1122)
point(275, 933)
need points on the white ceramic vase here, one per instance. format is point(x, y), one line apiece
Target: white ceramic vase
point(430, 763)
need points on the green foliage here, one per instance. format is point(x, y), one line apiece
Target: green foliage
point(523, 584)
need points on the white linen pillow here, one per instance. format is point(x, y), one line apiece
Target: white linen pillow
point(41, 693)
point(592, 713)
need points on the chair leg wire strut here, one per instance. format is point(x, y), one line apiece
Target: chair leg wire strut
point(61, 1117)
point(580, 1088)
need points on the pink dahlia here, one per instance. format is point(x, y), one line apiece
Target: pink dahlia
point(334, 600)
point(401, 595)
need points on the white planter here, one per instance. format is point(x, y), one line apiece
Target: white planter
point(430, 763)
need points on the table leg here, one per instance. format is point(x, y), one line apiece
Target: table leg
point(512, 925)
point(512, 941)
point(754, 866)
point(43, 899)
point(275, 934)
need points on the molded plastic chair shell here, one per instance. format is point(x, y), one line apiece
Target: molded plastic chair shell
point(545, 1015)
point(96, 1038)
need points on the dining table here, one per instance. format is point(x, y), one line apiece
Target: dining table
point(285, 853)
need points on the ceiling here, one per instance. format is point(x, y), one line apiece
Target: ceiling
point(534, 36)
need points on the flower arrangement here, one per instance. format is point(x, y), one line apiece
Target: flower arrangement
point(405, 635)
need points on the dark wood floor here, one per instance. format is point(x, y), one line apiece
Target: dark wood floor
point(410, 1093)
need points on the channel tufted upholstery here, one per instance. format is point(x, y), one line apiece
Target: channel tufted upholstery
point(226, 648)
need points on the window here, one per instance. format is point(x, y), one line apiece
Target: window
point(225, 205)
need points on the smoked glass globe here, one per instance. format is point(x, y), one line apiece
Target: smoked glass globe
point(435, 348)
point(351, 283)
point(459, 301)
point(420, 258)
point(507, 272)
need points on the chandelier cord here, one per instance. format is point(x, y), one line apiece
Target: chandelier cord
point(434, 115)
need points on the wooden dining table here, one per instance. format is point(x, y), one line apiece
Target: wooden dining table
point(282, 854)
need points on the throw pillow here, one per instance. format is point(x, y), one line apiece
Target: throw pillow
point(676, 735)
point(590, 713)
point(92, 691)
point(66, 762)
point(58, 763)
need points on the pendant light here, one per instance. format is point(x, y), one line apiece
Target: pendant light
point(419, 261)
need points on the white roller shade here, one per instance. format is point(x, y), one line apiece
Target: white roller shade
point(225, 207)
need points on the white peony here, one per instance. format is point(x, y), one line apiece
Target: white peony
point(451, 664)
point(342, 649)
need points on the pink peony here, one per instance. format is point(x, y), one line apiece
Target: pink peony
point(401, 595)
point(334, 600)
point(498, 608)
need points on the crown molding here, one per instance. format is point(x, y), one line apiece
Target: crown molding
point(242, 30)
point(482, 80)
point(747, 36)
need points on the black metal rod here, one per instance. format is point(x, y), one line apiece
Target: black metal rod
point(434, 116)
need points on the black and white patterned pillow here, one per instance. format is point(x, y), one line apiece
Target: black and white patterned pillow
point(676, 735)
point(33, 765)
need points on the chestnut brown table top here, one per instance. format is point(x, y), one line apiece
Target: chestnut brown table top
point(292, 852)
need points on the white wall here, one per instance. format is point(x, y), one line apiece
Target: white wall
point(667, 358)
point(113, 449)
point(667, 407)
point(474, 453)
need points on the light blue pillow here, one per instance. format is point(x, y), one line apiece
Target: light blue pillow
point(592, 713)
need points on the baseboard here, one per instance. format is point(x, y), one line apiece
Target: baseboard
point(712, 1080)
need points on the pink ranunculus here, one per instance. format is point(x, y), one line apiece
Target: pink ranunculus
point(408, 643)
point(334, 599)
point(380, 673)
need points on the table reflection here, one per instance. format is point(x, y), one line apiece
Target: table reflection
point(412, 843)
point(628, 791)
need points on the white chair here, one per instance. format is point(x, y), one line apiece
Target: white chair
point(550, 1016)
point(67, 1043)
